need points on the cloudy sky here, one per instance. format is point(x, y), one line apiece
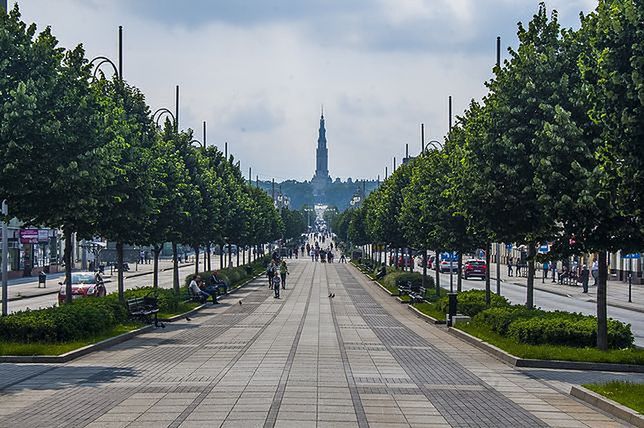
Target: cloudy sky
point(258, 70)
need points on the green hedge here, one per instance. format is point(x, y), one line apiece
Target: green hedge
point(538, 327)
point(80, 319)
point(167, 299)
point(472, 302)
point(234, 276)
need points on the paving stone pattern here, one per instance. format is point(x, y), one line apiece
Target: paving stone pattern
point(305, 360)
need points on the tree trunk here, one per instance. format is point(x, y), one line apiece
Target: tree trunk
point(459, 272)
point(175, 268)
point(488, 297)
point(230, 255)
point(119, 272)
point(437, 265)
point(205, 259)
point(155, 276)
point(209, 257)
point(238, 255)
point(196, 247)
point(602, 320)
point(244, 256)
point(67, 257)
point(529, 302)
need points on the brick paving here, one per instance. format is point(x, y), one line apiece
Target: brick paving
point(305, 360)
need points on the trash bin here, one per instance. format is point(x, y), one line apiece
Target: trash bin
point(42, 280)
point(453, 301)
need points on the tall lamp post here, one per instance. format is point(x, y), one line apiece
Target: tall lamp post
point(5, 255)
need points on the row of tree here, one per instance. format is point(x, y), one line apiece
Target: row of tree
point(553, 153)
point(81, 152)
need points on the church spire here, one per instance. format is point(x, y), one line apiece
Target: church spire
point(322, 152)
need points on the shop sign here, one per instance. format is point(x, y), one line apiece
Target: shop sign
point(28, 236)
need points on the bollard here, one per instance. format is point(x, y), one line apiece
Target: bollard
point(453, 301)
point(42, 279)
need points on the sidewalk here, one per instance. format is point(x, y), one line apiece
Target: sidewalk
point(617, 291)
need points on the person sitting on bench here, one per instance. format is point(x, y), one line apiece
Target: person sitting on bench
point(217, 283)
point(197, 291)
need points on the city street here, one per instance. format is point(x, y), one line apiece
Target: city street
point(358, 359)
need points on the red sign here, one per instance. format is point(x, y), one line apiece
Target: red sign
point(28, 236)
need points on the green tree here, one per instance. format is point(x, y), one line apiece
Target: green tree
point(51, 161)
point(129, 136)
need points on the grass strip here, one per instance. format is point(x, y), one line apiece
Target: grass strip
point(429, 309)
point(627, 393)
point(554, 352)
point(42, 348)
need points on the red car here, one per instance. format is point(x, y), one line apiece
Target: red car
point(474, 268)
point(404, 260)
point(84, 284)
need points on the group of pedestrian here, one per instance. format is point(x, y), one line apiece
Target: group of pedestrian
point(276, 272)
point(144, 257)
point(210, 289)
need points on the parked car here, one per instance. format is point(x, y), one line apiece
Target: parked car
point(430, 261)
point(445, 266)
point(474, 268)
point(84, 284)
point(404, 260)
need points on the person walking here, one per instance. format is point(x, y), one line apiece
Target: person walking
point(546, 267)
point(594, 271)
point(270, 272)
point(276, 286)
point(283, 273)
point(584, 276)
point(312, 254)
point(553, 268)
point(509, 265)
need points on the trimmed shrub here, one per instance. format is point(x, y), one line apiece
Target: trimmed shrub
point(499, 319)
point(167, 299)
point(472, 302)
point(75, 321)
point(563, 329)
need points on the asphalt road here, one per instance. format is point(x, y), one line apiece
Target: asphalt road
point(165, 281)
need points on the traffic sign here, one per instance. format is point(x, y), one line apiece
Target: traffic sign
point(631, 256)
point(544, 248)
point(508, 247)
point(450, 257)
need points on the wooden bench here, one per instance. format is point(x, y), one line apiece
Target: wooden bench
point(418, 296)
point(416, 293)
point(199, 298)
point(145, 309)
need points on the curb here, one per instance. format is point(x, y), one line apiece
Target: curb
point(542, 364)
point(607, 405)
point(427, 318)
point(71, 355)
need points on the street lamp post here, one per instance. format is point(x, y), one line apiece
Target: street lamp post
point(5, 256)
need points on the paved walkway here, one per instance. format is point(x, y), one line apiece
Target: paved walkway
point(305, 360)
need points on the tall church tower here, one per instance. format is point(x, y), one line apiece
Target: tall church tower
point(321, 179)
point(322, 154)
